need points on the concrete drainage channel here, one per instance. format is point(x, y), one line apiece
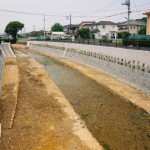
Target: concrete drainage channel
point(115, 123)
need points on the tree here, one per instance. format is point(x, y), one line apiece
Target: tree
point(123, 35)
point(13, 28)
point(93, 36)
point(84, 33)
point(142, 31)
point(35, 33)
point(144, 19)
point(57, 27)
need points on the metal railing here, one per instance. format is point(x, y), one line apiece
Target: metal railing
point(127, 43)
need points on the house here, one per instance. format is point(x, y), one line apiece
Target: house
point(86, 24)
point(57, 35)
point(105, 29)
point(71, 29)
point(148, 23)
point(134, 26)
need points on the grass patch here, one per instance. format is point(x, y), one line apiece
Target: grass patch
point(106, 147)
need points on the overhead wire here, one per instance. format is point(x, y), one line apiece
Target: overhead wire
point(76, 16)
point(136, 8)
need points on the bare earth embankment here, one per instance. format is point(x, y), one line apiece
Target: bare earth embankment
point(43, 118)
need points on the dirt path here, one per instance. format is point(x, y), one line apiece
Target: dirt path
point(115, 123)
point(43, 119)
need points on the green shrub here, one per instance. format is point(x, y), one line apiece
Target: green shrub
point(142, 42)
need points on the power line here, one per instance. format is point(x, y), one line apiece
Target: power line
point(28, 13)
point(112, 15)
point(105, 10)
point(39, 14)
point(136, 8)
point(20, 12)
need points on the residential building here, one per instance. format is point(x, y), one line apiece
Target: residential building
point(58, 35)
point(86, 24)
point(134, 26)
point(105, 29)
point(148, 23)
point(71, 29)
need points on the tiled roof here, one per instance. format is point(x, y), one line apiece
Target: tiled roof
point(87, 22)
point(105, 23)
point(132, 22)
point(72, 26)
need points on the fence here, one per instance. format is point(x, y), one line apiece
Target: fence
point(138, 44)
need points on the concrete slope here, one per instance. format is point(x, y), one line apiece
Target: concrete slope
point(6, 50)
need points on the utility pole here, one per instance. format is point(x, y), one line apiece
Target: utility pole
point(70, 25)
point(44, 25)
point(127, 2)
point(69, 17)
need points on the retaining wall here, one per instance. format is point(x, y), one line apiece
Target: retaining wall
point(129, 66)
point(1, 69)
point(6, 52)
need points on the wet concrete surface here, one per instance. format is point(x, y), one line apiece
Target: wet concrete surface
point(115, 123)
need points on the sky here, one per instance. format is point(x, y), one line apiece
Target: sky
point(58, 10)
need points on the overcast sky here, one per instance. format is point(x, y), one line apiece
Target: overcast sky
point(81, 10)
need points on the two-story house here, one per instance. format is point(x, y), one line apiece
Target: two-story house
point(134, 26)
point(105, 29)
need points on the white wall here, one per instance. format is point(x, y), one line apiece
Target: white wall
point(122, 53)
point(129, 74)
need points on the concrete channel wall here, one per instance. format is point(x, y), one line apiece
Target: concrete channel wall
point(6, 52)
point(1, 72)
point(129, 66)
point(1, 69)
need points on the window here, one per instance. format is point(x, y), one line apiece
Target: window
point(113, 27)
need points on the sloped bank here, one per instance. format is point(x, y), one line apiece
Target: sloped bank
point(44, 118)
point(9, 95)
point(129, 93)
